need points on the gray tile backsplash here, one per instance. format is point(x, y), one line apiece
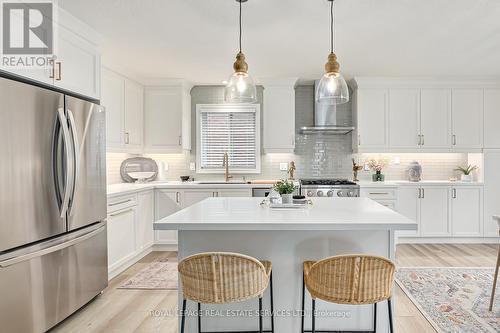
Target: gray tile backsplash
point(317, 155)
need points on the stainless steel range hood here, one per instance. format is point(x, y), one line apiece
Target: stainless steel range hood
point(325, 120)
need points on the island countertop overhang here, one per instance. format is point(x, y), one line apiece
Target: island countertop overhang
point(248, 214)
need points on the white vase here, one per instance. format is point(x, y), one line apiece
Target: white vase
point(287, 198)
point(466, 178)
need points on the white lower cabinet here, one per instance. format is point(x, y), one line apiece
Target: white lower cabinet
point(145, 218)
point(121, 236)
point(190, 197)
point(435, 212)
point(167, 202)
point(234, 193)
point(408, 205)
point(467, 211)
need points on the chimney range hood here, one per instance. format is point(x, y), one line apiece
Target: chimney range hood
point(325, 120)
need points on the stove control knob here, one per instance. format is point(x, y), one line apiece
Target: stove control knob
point(310, 193)
point(340, 193)
point(350, 194)
point(329, 193)
point(320, 193)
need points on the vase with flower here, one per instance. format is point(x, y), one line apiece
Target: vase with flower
point(377, 166)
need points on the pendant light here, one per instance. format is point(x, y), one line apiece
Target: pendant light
point(240, 87)
point(332, 88)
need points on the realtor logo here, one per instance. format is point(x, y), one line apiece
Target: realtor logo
point(27, 28)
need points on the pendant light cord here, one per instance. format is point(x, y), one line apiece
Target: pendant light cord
point(240, 25)
point(331, 26)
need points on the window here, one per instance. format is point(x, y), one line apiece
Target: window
point(231, 129)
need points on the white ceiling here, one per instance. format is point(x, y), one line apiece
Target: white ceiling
point(197, 39)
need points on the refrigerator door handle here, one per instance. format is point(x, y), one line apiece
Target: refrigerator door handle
point(76, 158)
point(50, 247)
point(69, 163)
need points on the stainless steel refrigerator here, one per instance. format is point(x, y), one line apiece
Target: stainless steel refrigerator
point(53, 252)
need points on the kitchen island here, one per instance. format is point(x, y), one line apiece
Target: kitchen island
point(330, 226)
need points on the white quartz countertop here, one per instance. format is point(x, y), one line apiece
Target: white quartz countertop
point(126, 188)
point(396, 183)
point(248, 214)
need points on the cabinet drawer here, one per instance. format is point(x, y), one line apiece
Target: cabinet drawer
point(119, 203)
point(380, 193)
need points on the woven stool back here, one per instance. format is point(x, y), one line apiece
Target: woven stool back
point(351, 279)
point(219, 277)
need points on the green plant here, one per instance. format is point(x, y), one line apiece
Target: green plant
point(284, 187)
point(467, 170)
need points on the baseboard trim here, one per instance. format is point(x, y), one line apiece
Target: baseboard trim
point(126, 263)
point(445, 240)
point(165, 247)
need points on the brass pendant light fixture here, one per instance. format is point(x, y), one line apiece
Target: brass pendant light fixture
point(332, 88)
point(240, 87)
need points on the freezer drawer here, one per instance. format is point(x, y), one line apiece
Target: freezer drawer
point(44, 284)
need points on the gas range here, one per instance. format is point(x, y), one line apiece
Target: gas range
point(328, 188)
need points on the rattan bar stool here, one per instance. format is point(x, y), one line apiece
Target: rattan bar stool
point(222, 278)
point(348, 279)
point(495, 278)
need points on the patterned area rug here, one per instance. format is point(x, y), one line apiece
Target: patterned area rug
point(158, 275)
point(452, 299)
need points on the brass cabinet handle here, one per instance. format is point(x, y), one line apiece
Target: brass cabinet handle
point(177, 197)
point(423, 140)
point(423, 193)
point(122, 212)
point(419, 193)
point(378, 193)
point(454, 193)
point(454, 139)
point(53, 70)
point(419, 140)
point(59, 74)
point(127, 138)
point(119, 202)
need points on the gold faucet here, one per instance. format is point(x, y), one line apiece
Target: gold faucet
point(225, 163)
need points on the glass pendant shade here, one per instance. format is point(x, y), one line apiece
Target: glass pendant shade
point(332, 89)
point(240, 88)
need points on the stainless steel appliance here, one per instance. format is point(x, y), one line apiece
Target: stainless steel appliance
point(328, 188)
point(53, 255)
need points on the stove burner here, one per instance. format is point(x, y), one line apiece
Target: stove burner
point(326, 182)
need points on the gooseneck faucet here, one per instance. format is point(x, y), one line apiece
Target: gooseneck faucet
point(225, 163)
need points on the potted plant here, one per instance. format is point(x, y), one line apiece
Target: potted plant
point(467, 172)
point(377, 166)
point(285, 188)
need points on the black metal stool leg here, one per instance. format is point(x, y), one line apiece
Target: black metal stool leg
point(183, 315)
point(260, 314)
point(303, 302)
point(375, 317)
point(313, 316)
point(199, 318)
point(390, 315)
point(272, 303)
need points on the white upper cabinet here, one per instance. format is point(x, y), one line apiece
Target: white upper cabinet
point(134, 116)
point(492, 118)
point(370, 111)
point(467, 118)
point(435, 118)
point(77, 65)
point(279, 115)
point(124, 103)
point(167, 119)
point(113, 90)
point(404, 118)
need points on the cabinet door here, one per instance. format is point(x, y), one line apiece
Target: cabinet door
point(167, 202)
point(371, 106)
point(190, 197)
point(234, 193)
point(121, 236)
point(134, 116)
point(404, 118)
point(280, 107)
point(144, 235)
point(491, 118)
point(466, 212)
point(113, 89)
point(435, 118)
point(163, 120)
point(491, 192)
point(408, 205)
point(78, 65)
point(434, 211)
point(467, 118)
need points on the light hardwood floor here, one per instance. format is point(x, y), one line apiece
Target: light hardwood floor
point(119, 310)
